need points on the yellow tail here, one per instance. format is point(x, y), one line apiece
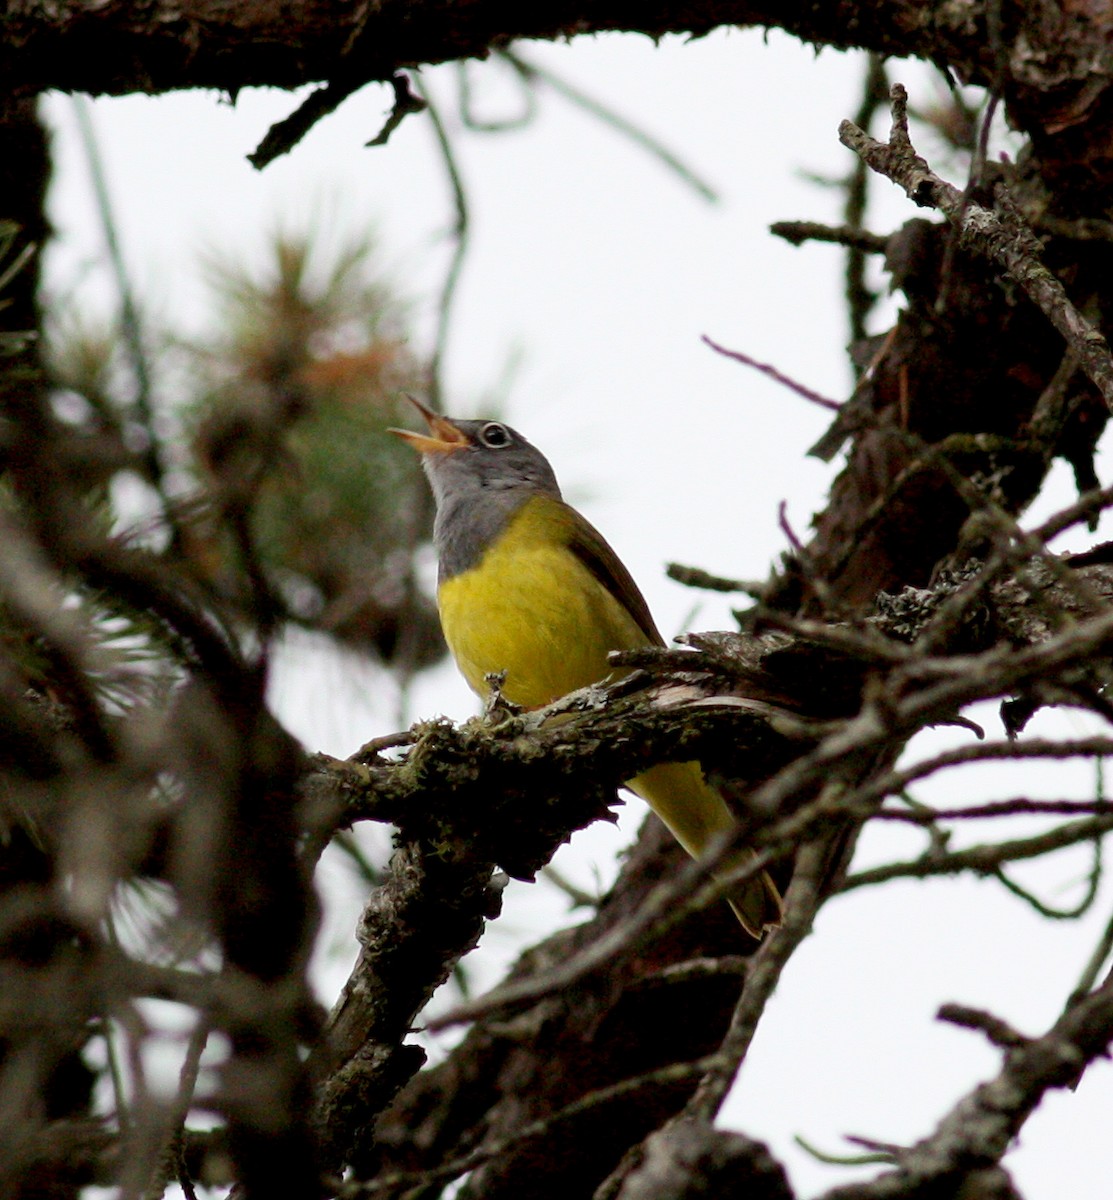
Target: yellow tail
point(695, 814)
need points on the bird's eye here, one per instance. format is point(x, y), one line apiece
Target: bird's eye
point(494, 436)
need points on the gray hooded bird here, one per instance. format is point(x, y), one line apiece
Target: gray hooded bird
point(528, 587)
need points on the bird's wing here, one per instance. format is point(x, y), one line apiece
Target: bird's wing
point(591, 548)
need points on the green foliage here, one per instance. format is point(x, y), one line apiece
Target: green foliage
point(275, 487)
point(295, 394)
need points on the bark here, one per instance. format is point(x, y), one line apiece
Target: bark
point(229, 46)
point(43, 954)
point(574, 1041)
point(1052, 67)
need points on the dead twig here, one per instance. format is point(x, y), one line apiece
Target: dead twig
point(1001, 236)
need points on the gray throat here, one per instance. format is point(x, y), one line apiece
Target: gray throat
point(467, 525)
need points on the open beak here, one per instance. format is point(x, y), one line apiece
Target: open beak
point(443, 436)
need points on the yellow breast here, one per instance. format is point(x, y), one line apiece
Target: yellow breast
point(531, 608)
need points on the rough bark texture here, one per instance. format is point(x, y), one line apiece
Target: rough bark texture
point(1051, 65)
point(211, 43)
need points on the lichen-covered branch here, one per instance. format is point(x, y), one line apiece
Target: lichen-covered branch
point(116, 49)
point(829, 780)
point(998, 235)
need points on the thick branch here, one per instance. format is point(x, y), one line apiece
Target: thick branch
point(158, 47)
point(513, 791)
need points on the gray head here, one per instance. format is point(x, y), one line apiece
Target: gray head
point(481, 473)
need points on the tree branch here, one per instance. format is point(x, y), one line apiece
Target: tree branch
point(163, 46)
point(976, 1133)
point(1001, 236)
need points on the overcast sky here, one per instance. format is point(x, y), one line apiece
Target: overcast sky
point(596, 273)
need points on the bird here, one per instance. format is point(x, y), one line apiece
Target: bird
point(528, 589)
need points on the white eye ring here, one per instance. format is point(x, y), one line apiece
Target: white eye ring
point(495, 436)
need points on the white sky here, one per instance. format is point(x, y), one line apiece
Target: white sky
point(602, 272)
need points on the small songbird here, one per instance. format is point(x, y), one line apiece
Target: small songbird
point(528, 587)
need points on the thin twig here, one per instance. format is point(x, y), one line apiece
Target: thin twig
point(1094, 964)
point(668, 904)
point(981, 1127)
point(1093, 882)
point(778, 376)
point(460, 236)
point(983, 859)
point(397, 1181)
point(1000, 236)
point(169, 1164)
point(895, 782)
point(796, 233)
point(802, 902)
point(284, 135)
point(860, 298)
point(697, 577)
point(405, 102)
point(503, 124)
point(131, 323)
point(844, 1160)
point(765, 969)
point(999, 1032)
point(973, 179)
point(1017, 807)
point(637, 135)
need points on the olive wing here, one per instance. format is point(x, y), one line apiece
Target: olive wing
point(592, 549)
